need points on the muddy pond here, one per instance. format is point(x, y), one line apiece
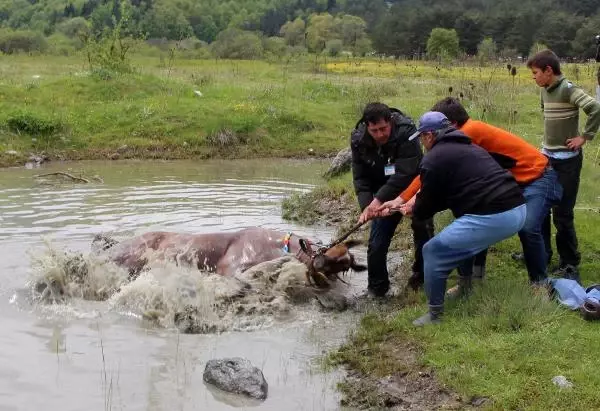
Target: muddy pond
point(82, 354)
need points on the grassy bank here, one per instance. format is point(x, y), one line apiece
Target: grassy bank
point(177, 108)
point(498, 349)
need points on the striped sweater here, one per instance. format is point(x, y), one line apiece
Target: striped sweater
point(561, 102)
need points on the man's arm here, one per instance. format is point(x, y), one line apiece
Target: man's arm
point(409, 156)
point(411, 190)
point(590, 107)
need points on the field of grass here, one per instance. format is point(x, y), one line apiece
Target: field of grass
point(181, 108)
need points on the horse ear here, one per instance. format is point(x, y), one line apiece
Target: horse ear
point(304, 246)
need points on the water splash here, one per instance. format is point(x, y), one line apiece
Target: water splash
point(168, 294)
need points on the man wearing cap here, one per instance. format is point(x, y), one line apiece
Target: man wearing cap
point(533, 173)
point(485, 199)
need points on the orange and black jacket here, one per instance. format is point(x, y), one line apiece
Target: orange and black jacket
point(523, 160)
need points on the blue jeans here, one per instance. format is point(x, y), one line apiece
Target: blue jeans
point(464, 238)
point(540, 195)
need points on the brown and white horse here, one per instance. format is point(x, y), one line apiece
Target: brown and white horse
point(229, 253)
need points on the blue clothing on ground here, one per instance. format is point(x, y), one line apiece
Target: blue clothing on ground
point(571, 294)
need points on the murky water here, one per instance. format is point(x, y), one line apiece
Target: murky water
point(88, 355)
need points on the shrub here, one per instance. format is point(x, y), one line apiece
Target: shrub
point(33, 124)
point(22, 41)
point(237, 44)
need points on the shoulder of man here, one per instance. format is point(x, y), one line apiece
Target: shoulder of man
point(399, 118)
point(358, 133)
point(569, 87)
point(404, 126)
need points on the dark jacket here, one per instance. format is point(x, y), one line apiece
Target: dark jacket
point(463, 177)
point(369, 161)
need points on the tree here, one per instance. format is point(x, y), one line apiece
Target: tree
point(486, 50)
point(275, 46)
point(443, 43)
point(469, 32)
point(73, 28)
point(167, 22)
point(584, 44)
point(556, 33)
point(334, 47)
point(362, 47)
point(537, 47)
point(320, 30)
point(293, 32)
point(350, 29)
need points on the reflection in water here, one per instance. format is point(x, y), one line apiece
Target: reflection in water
point(83, 355)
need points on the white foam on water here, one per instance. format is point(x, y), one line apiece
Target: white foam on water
point(166, 293)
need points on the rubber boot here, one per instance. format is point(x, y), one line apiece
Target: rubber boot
point(462, 288)
point(434, 316)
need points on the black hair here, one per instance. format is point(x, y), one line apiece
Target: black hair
point(543, 59)
point(452, 109)
point(375, 112)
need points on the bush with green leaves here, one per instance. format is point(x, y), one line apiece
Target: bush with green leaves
point(33, 124)
point(15, 41)
point(333, 47)
point(234, 43)
point(443, 43)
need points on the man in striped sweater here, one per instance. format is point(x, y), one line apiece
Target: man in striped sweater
point(563, 143)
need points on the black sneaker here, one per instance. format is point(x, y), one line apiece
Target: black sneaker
point(571, 272)
point(374, 293)
point(568, 271)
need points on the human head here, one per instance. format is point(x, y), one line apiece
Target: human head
point(544, 66)
point(430, 125)
point(378, 118)
point(453, 110)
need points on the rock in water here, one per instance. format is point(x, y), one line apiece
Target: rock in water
point(340, 164)
point(236, 375)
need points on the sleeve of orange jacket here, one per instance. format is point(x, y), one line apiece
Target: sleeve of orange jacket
point(411, 190)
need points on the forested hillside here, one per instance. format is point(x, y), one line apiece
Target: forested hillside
point(395, 27)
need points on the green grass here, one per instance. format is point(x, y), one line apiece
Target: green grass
point(299, 107)
point(504, 343)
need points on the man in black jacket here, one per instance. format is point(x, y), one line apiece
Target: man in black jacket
point(384, 163)
point(485, 199)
